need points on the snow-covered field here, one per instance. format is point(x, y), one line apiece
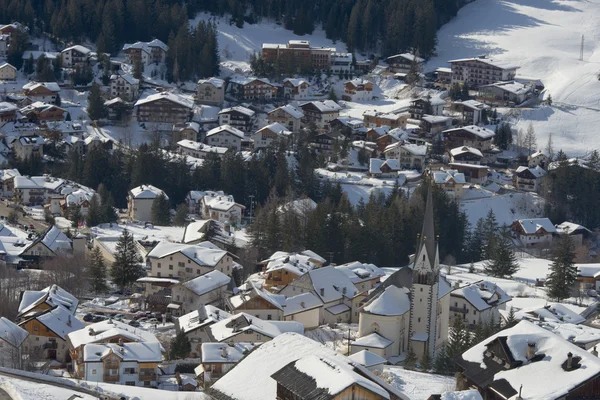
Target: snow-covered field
point(507, 207)
point(543, 37)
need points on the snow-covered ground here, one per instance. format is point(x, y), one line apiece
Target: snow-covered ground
point(543, 37)
point(336, 338)
point(507, 207)
point(417, 385)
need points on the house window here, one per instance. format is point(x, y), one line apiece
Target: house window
point(421, 289)
point(170, 267)
point(419, 319)
point(269, 317)
point(158, 265)
point(158, 274)
point(130, 383)
point(129, 371)
point(258, 336)
point(93, 372)
point(198, 271)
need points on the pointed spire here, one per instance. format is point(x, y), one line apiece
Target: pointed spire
point(428, 232)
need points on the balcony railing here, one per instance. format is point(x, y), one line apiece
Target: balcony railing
point(147, 377)
point(459, 309)
point(111, 378)
point(50, 345)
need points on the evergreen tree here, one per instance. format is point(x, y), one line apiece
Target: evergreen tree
point(97, 271)
point(126, 269)
point(181, 214)
point(443, 364)
point(503, 262)
point(332, 95)
point(594, 160)
point(550, 147)
point(478, 332)
point(511, 320)
point(161, 211)
point(180, 346)
point(94, 214)
point(411, 358)
point(425, 363)
point(96, 109)
point(563, 272)
point(530, 139)
point(459, 337)
point(138, 69)
point(490, 233)
point(74, 212)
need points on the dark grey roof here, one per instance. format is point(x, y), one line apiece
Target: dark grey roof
point(300, 384)
point(428, 233)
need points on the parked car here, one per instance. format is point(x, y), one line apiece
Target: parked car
point(140, 316)
point(134, 310)
point(134, 323)
point(153, 321)
point(143, 319)
point(119, 317)
point(88, 317)
point(98, 318)
point(99, 313)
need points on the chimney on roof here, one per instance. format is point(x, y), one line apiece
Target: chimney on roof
point(569, 361)
point(594, 351)
point(91, 332)
point(303, 305)
point(322, 291)
point(224, 351)
point(120, 342)
point(68, 320)
point(530, 350)
point(122, 350)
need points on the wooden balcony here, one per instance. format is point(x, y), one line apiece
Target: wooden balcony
point(111, 378)
point(147, 377)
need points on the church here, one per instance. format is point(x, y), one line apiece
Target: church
point(411, 308)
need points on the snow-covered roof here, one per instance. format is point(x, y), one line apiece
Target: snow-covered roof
point(240, 109)
point(244, 80)
point(291, 110)
point(207, 282)
point(295, 81)
point(359, 272)
point(7, 65)
point(408, 57)
point(78, 48)
point(482, 133)
point(242, 323)
point(546, 376)
point(59, 320)
point(6, 174)
point(146, 192)
point(172, 97)
point(570, 227)
point(225, 128)
point(201, 147)
point(367, 358)
point(331, 284)
point(436, 119)
point(255, 291)
point(513, 87)
point(251, 378)
point(296, 263)
point(7, 107)
point(202, 255)
point(55, 240)
point(374, 340)
point(326, 106)
point(276, 128)
point(392, 301)
point(485, 60)
point(482, 295)
point(457, 151)
point(218, 353)
point(444, 176)
point(588, 270)
point(109, 329)
point(376, 164)
point(556, 312)
point(12, 333)
point(52, 86)
point(146, 46)
point(533, 225)
point(126, 77)
point(537, 171)
point(52, 295)
point(198, 318)
point(218, 201)
point(216, 82)
point(578, 334)
point(140, 352)
point(300, 303)
point(471, 394)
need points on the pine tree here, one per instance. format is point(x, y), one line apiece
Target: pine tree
point(425, 363)
point(96, 109)
point(458, 339)
point(550, 147)
point(594, 161)
point(181, 214)
point(443, 364)
point(138, 69)
point(94, 216)
point(97, 271)
point(411, 359)
point(563, 272)
point(126, 269)
point(478, 332)
point(180, 346)
point(490, 232)
point(503, 262)
point(161, 211)
point(530, 139)
point(75, 216)
point(511, 319)
point(332, 95)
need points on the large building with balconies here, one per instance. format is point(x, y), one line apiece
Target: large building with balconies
point(298, 55)
point(480, 71)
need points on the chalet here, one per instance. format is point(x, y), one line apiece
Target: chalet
point(473, 173)
point(51, 243)
point(7, 181)
point(259, 303)
point(450, 181)
point(187, 131)
point(411, 156)
point(220, 207)
point(374, 134)
point(26, 147)
point(443, 75)
point(43, 91)
point(349, 126)
point(538, 159)
point(528, 179)
point(11, 344)
point(324, 142)
point(376, 119)
point(269, 373)
point(364, 277)
point(146, 53)
point(358, 90)
point(239, 117)
point(9, 29)
point(124, 86)
point(225, 136)
point(179, 262)
point(472, 111)
point(244, 327)
point(426, 105)
point(534, 232)
point(471, 135)
point(36, 190)
point(266, 136)
point(211, 91)
point(209, 288)
point(321, 113)
point(288, 116)
point(8, 112)
point(480, 71)
point(434, 124)
point(75, 55)
point(132, 364)
point(252, 89)
point(40, 112)
point(588, 276)
point(164, 107)
point(117, 108)
point(283, 267)
point(194, 149)
point(518, 360)
point(466, 155)
point(510, 93)
point(403, 62)
point(296, 89)
point(195, 325)
point(219, 358)
point(577, 232)
point(7, 72)
point(384, 168)
point(477, 303)
point(139, 202)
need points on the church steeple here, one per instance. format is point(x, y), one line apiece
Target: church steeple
point(427, 239)
point(425, 268)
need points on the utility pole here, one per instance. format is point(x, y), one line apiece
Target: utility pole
point(581, 49)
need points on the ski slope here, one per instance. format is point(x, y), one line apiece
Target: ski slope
point(544, 38)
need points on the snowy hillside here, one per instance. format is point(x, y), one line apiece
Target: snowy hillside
point(543, 37)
